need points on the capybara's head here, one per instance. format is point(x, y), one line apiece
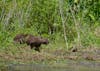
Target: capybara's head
point(43, 40)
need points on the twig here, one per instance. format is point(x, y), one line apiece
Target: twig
point(63, 22)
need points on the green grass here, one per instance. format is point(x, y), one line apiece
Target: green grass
point(43, 18)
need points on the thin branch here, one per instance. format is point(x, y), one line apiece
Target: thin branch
point(76, 26)
point(63, 22)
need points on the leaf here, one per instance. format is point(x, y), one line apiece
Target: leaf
point(92, 17)
point(76, 1)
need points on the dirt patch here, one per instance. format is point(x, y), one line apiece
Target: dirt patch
point(26, 55)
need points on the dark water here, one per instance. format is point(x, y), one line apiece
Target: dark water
point(69, 66)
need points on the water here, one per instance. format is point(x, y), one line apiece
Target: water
point(70, 66)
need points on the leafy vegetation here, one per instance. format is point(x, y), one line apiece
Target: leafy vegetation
point(66, 23)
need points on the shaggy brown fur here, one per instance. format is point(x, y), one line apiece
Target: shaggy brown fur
point(34, 41)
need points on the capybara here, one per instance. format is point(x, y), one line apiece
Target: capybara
point(34, 41)
point(20, 38)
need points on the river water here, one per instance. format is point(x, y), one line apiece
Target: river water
point(69, 66)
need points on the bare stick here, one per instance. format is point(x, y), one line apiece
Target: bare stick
point(76, 26)
point(63, 22)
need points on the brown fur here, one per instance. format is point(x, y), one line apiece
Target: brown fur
point(34, 41)
point(20, 38)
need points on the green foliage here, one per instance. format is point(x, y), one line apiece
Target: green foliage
point(42, 17)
